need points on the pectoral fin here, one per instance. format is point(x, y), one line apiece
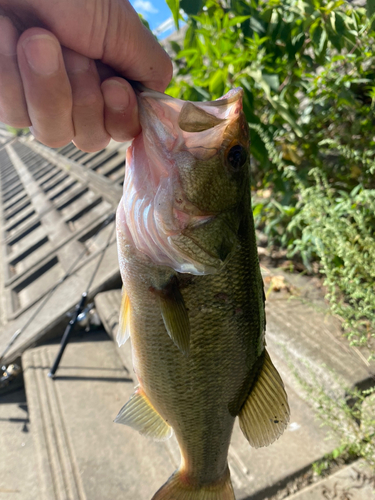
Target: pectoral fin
point(175, 315)
point(123, 332)
point(139, 414)
point(265, 413)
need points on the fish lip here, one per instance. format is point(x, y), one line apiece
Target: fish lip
point(235, 95)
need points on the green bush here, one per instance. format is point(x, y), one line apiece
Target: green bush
point(340, 228)
point(351, 420)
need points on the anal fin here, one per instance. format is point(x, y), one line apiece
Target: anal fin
point(265, 413)
point(139, 414)
point(123, 332)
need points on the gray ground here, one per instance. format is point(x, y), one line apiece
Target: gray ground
point(18, 473)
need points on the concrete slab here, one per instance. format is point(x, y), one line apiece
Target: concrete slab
point(308, 339)
point(102, 185)
point(108, 307)
point(18, 474)
point(354, 482)
point(82, 454)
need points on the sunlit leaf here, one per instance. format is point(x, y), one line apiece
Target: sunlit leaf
point(216, 82)
point(237, 20)
point(174, 6)
point(257, 26)
point(272, 80)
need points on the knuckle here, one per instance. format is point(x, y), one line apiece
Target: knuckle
point(85, 98)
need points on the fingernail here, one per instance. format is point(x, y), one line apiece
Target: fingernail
point(8, 37)
point(42, 54)
point(76, 63)
point(116, 96)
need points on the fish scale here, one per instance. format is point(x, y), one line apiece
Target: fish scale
point(198, 337)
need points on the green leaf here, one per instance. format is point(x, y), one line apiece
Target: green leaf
point(237, 20)
point(284, 112)
point(191, 7)
point(340, 25)
point(216, 83)
point(257, 26)
point(175, 46)
point(257, 209)
point(370, 7)
point(144, 21)
point(174, 6)
point(272, 80)
point(203, 93)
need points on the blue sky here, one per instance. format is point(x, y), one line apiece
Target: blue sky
point(155, 11)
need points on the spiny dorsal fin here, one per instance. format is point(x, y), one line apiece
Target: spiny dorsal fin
point(265, 414)
point(139, 414)
point(175, 315)
point(123, 332)
point(194, 119)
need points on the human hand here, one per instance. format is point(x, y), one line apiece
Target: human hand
point(58, 67)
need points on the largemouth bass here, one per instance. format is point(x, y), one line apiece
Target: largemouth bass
point(193, 300)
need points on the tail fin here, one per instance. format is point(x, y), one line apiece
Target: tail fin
point(178, 489)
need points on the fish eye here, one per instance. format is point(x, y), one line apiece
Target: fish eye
point(236, 157)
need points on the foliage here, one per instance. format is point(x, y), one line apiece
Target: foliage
point(351, 420)
point(307, 69)
point(340, 228)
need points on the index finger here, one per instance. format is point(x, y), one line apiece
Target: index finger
point(139, 56)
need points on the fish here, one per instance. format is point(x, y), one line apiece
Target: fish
point(193, 298)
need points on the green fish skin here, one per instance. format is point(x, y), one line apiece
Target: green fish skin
point(193, 300)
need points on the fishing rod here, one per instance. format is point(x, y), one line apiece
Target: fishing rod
point(79, 308)
point(68, 273)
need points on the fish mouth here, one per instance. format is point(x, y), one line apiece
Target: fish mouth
point(159, 113)
point(162, 221)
